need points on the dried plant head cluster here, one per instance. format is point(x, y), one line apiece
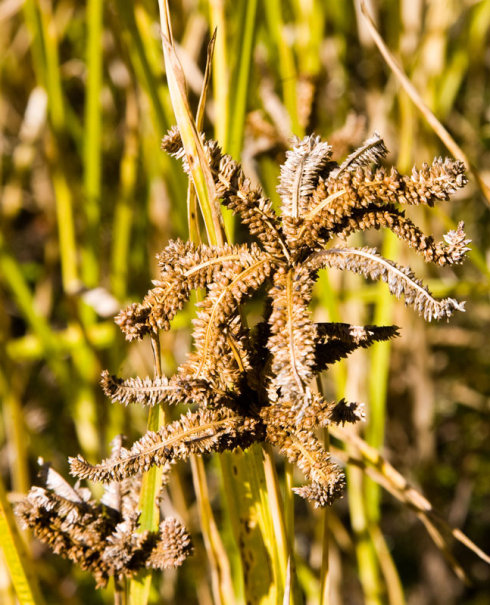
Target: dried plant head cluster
point(247, 385)
point(103, 538)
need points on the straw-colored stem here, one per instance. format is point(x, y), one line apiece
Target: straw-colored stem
point(283, 541)
point(325, 569)
point(139, 587)
point(378, 377)
point(221, 80)
point(366, 555)
point(413, 93)
point(218, 560)
point(199, 169)
point(123, 215)
point(222, 585)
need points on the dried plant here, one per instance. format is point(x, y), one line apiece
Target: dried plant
point(250, 385)
point(102, 538)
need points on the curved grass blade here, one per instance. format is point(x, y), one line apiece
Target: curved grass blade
point(24, 581)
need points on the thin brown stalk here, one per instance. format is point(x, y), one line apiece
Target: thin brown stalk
point(413, 93)
point(378, 468)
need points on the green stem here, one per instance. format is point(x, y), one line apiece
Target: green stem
point(287, 67)
point(18, 564)
point(92, 143)
point(139, 587)
point(242, 81)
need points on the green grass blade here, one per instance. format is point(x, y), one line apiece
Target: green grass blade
point(241, 82)
point(221, 78)
point(139, 587)
point(378, 378)
point(200, 171)
point(92, 155)
point(24, 581)
point(287, 67)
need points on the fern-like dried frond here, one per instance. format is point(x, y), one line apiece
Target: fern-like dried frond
point(183, 267)
point(145, 391)
point(304, 164)
point(401, 281)
point(292, 336)
point(451, 251)
point(370, 152)
point(198, 432)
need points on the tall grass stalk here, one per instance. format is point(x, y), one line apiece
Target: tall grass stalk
point(92, 153)
point(18, 563)
point(139, 587)
point(269, 508)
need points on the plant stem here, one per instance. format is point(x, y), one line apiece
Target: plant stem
point(325, 570)
point(139, 588)
point(92, 142)
point(18, 564)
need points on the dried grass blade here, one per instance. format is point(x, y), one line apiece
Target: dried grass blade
point(199, 168)
point(219, 563)
point(412, 92)
point(376, 466)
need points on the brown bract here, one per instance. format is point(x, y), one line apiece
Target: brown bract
point(101, 537)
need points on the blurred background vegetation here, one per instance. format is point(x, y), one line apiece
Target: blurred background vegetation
point(87, 199)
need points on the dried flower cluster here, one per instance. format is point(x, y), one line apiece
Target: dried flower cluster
point(103, 538)
point(256, 384)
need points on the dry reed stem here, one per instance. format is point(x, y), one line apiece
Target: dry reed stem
point(378, 468)
point(412, 92)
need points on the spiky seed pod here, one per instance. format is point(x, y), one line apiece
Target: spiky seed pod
point(292, 335)
point(319, 413)
point(237, 193)
point(401, 281)
point(133, 321)
point(371, 151)
point(449, 252)
point(344, 411)
point(305, 451)
point(337, 198)
point(337, 340)
point(173, 548)
point(198, 432)
point(101, 539)
point(183, 267)
point(321, 495)
point(136, 390)
point(158, 390)
point(220, 308)
point(304, 164)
